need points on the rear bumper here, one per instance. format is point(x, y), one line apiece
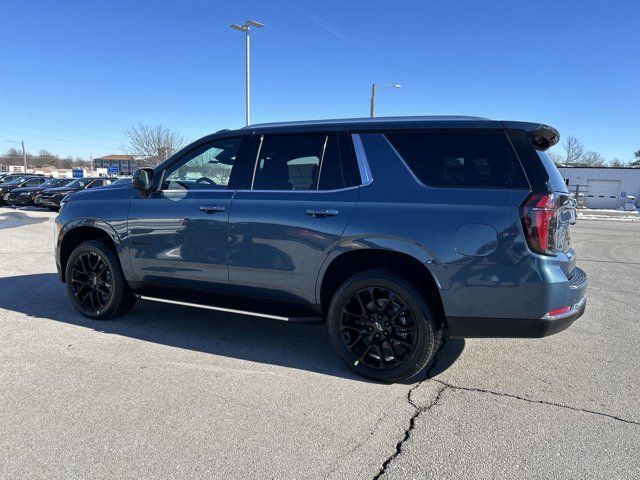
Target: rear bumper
point(478, 327)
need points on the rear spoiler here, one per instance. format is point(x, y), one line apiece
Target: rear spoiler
point(542, 137)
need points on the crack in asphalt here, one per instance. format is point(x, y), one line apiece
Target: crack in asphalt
point(412, 424)
point(542, 402)
point(417, 413)
point(445, 386)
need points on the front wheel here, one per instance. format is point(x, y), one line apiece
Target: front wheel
point(95, 283)
point(382, 326)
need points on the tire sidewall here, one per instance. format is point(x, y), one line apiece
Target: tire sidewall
point(427, 328)
point(117, 280)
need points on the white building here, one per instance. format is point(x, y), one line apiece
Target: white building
point(603, 187)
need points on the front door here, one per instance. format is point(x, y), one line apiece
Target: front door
point(282, 228)
point(178, 233)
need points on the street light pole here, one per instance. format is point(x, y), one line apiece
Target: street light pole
point(374, 90)
point(245, 28)
point(373, 100)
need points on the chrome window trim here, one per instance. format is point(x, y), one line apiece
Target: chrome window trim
point(324, 149)
point(206, 190)
point(300, 191)
point(255, 163)
point(363, 165)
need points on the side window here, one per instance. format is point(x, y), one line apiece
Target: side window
point(460, 159)
point(208, 167)
point(33, 182)
point(289, 162)
point(300, 162)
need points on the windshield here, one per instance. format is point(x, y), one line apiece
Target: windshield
point(79, 183)
point(15, 181)
point(53, 182)
point(121, 182)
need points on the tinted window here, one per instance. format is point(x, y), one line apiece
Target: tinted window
point(460, 159)
point(79, 183)
point(331, 175)
point(556, 182)
point(33, 182)
point(300, 162)
point(208, 167)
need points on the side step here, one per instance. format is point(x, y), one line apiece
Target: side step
point(232, 310)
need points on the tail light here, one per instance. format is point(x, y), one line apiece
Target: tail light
point(539, 217)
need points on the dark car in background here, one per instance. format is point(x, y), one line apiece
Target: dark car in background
point(25, 196)
point(392, 231)
point(19, 182)
point(52, 197)
point(121, 182)
point(9, 177)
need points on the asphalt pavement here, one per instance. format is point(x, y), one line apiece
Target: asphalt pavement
point(172, 392)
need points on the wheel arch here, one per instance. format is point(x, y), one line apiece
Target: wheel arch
point(80, 231)
point(350, 262)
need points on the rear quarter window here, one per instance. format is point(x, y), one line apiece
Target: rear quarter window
point(460, 159)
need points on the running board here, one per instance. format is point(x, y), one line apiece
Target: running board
point(232, 310)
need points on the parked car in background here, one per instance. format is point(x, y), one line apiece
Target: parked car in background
point(121, 182)
point(52, 197)
point(389, 230)
point(25, 196)
point(9, 177)
point(19, 182)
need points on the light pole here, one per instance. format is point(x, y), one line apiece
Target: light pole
point(374, 90)
point(24, 153)
point(245, 28)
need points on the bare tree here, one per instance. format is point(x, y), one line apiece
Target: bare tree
point(154, 143)
point(592, 159)
point(573, 151)
point(557, 158)
point(636, 160)
point(617, 163)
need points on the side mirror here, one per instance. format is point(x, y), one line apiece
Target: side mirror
point(142, 179)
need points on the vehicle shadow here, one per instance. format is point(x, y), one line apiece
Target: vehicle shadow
point(13, 218)
point(300, 346)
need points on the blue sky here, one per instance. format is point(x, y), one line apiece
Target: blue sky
point(74, 75)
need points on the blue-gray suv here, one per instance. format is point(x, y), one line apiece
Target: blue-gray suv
point(389, 230)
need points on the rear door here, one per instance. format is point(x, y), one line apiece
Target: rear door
point(292, 213)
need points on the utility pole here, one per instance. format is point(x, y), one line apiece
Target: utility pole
point(24, 156)
point(245, 28)
point(24, 153)
point(374, 90)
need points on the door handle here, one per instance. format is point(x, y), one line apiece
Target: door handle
point(212, 208)
point(323, 213)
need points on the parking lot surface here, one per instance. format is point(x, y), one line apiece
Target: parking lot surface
point(171, 392)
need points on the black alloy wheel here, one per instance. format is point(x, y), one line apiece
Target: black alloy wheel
point(91, 281)
point(95, 283)
point(382, 326)
point(378, 327)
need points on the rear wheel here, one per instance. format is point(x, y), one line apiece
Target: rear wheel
point(382, 327)
point(95, 283)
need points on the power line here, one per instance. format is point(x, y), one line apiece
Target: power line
point(57, 139)
point(62, 121)
point(63, 131)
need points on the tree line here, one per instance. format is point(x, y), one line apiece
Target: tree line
point(151, 144)
point(43, 158)
point(575, 155)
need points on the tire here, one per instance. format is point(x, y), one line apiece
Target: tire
point(383, 353)
point(102, 296)
point(53, 209)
